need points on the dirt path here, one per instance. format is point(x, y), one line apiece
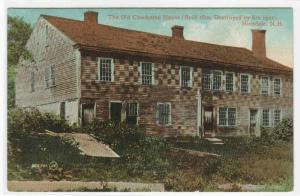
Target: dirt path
point(50, 186)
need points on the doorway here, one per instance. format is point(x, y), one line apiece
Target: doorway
point(208, 120)
point(115, 111)
point(88, 113)
point(253, 122)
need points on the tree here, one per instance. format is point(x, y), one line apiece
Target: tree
point(17, 35)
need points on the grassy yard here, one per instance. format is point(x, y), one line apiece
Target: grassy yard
point(267, 160)
point(243, 161)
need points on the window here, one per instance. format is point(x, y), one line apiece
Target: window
point(132, 113)
point(164, 113)
point(105, 69)
point(147, 73)
point(227, 116)
point(277, 85)
point(277, 116)
point(186, 76)
point(245, 83)
point(32, 80)
point(50, 76)
point(206, 80)
point(264, 86)
point(212, 80)
point(217, 80)
point(266, 118)
point(229, 81)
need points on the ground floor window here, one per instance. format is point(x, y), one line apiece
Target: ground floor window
point(265, 118)
point(132, 113)
point(277, 116)
point(227, 116)
point(163, 114)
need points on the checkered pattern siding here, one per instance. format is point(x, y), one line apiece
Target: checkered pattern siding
point(127, 87)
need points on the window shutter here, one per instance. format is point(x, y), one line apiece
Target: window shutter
point(170, 113)
point(153, 73)
point(234, 82)
point(223, 82)
point(191, 74)
point(180, 77)
point(249, 83)
point(156, 116)
point(140, 72)
point(112, 70)
point(98, 69)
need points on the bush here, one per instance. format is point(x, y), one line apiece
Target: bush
point(138, 152)
point(27, 143)
point(284, 130)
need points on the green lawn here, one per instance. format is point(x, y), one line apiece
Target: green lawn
point(243, 161)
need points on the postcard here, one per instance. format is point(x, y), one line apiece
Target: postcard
point(150, 99)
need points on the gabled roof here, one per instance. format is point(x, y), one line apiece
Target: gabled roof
point(104, 36)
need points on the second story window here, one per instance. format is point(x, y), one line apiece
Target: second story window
point(186, 76)
point(32, 81)
point(212, 80)
point(105, 69)
point(147, 73)
point(245, 83)
point(229, 81)
point(265, 118)
point(50, 76)
point(163, 114)
point(277, 86)
point(217, 80)
point(264, 88)
point(206, 80)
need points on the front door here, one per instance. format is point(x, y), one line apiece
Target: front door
point(115, 111)
point(253, 121)
point(208, 120)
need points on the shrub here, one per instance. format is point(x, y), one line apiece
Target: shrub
point(284, 130)
point(138, 152)
point(27, 143)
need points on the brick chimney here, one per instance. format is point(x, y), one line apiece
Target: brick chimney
point(177, 32)
point(91, 17)
point(259, 43)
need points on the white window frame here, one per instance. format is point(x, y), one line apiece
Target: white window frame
point(269, 117)
point(233, 82)
point(137, 110)
point(226, 117)
point(190, 82)
point(280, 116)
point(152, 72)
point(169, 117)
point(212, 79)
point(249, 83)
point(261, 85)
point(210, 83)
point(112, 67)
point(280, 87)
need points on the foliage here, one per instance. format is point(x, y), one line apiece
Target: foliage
point(143, 158)
point(138, 152)
point(284, 130)
point(17, 35)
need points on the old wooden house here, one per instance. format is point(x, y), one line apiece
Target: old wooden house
point(171, 86)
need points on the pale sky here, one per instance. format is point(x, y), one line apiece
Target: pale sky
point(203, 24)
